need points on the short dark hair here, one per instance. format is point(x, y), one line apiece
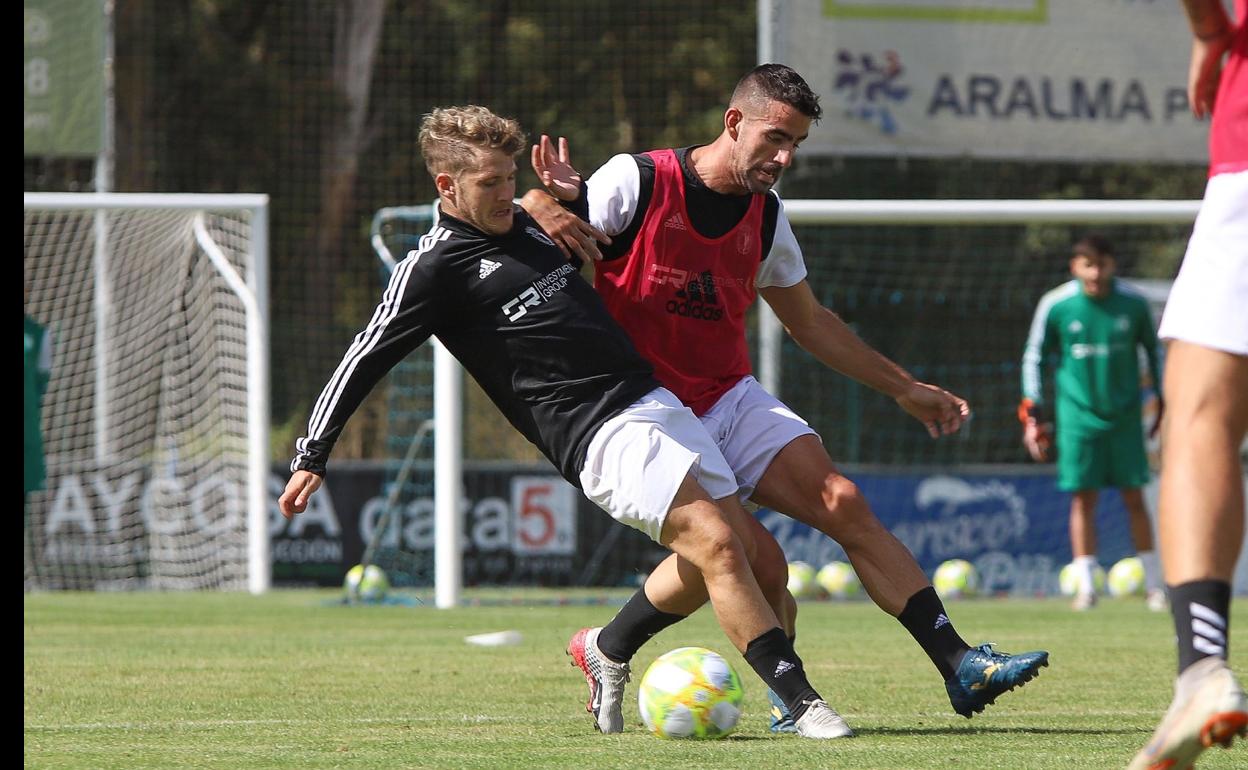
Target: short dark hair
point(1092, 245)
point(778, 83)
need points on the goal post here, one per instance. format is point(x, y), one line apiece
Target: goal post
point(155, 421)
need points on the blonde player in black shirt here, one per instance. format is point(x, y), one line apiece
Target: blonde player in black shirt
point(503, 299)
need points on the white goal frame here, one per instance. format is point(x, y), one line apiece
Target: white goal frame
point(851, 213)
point(252, 291)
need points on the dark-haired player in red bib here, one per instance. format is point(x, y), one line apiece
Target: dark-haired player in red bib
point(695, 234)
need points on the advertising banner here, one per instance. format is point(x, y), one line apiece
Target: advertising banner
point(523, 525)
point(1027, 79)
point(1012, 527)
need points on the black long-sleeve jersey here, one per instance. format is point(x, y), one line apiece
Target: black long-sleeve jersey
point(520, 319)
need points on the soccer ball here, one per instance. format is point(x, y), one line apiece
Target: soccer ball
point(366, 584)
point(1068, 581)
point(839, 580)
point(955, 579)
point(802, 580)
point(1126, 578)
point(691, 692)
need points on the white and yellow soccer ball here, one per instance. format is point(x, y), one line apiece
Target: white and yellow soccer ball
point(1068, 580)
point(690, 692)
point(1126, 578)
point(366, 584)
point(802, 580)
point(839, 580)
point(956, 579)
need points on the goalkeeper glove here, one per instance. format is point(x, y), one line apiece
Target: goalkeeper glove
point(1037, 433)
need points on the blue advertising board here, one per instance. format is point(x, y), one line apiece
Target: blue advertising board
point(1012, 527)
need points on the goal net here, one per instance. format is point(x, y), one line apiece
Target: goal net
point(154, 424)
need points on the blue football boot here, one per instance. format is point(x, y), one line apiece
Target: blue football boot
point(781, 719)
point(983, 675)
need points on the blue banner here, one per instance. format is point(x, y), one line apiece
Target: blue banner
point(1013, 528)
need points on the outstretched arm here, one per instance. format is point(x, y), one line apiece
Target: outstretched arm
point(400, 324)
point(1211, 39)
point(824, 335)
point(571, 233)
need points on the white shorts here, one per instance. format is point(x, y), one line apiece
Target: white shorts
point(751, 426)
point(1208, 303)
point(638, 459)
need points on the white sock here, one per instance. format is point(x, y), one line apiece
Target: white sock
point(1152, 570)
point(1083, 570)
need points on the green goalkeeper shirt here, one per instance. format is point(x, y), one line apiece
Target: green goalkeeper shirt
point(1093, 343)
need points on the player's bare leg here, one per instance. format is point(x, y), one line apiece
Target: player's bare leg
point(802, 483)
point(1137, 519)
point(1083, 545)
point(673, 591)
point(708, 538)
point(1201, 527)
point(676, 586)
point(717, 538)
point(1202, 494)
point(1142, 538)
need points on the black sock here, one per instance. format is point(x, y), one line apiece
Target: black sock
point(632, 626)
point(926, 620)
point(1202, 614)
point(772, 657)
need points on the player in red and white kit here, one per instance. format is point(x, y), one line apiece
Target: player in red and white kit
point(1206, 383)
point(696, 234)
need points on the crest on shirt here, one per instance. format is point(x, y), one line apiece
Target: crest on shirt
point(745, 241)
point(1075, 326)
point(539, 235)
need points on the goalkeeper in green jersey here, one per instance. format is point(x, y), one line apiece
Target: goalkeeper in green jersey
point(1089, 330)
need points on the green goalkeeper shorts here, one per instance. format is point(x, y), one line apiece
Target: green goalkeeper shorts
point(1111, 459)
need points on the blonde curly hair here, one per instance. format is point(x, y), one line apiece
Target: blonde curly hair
point(450, 137)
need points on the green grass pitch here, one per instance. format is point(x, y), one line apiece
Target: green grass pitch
point(288, 680)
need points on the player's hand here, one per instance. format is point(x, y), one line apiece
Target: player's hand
point(554, 170)
point(941, 412)
point(1205, 71)
point(573, 235)
point(1038, 439)
point(298, 491)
